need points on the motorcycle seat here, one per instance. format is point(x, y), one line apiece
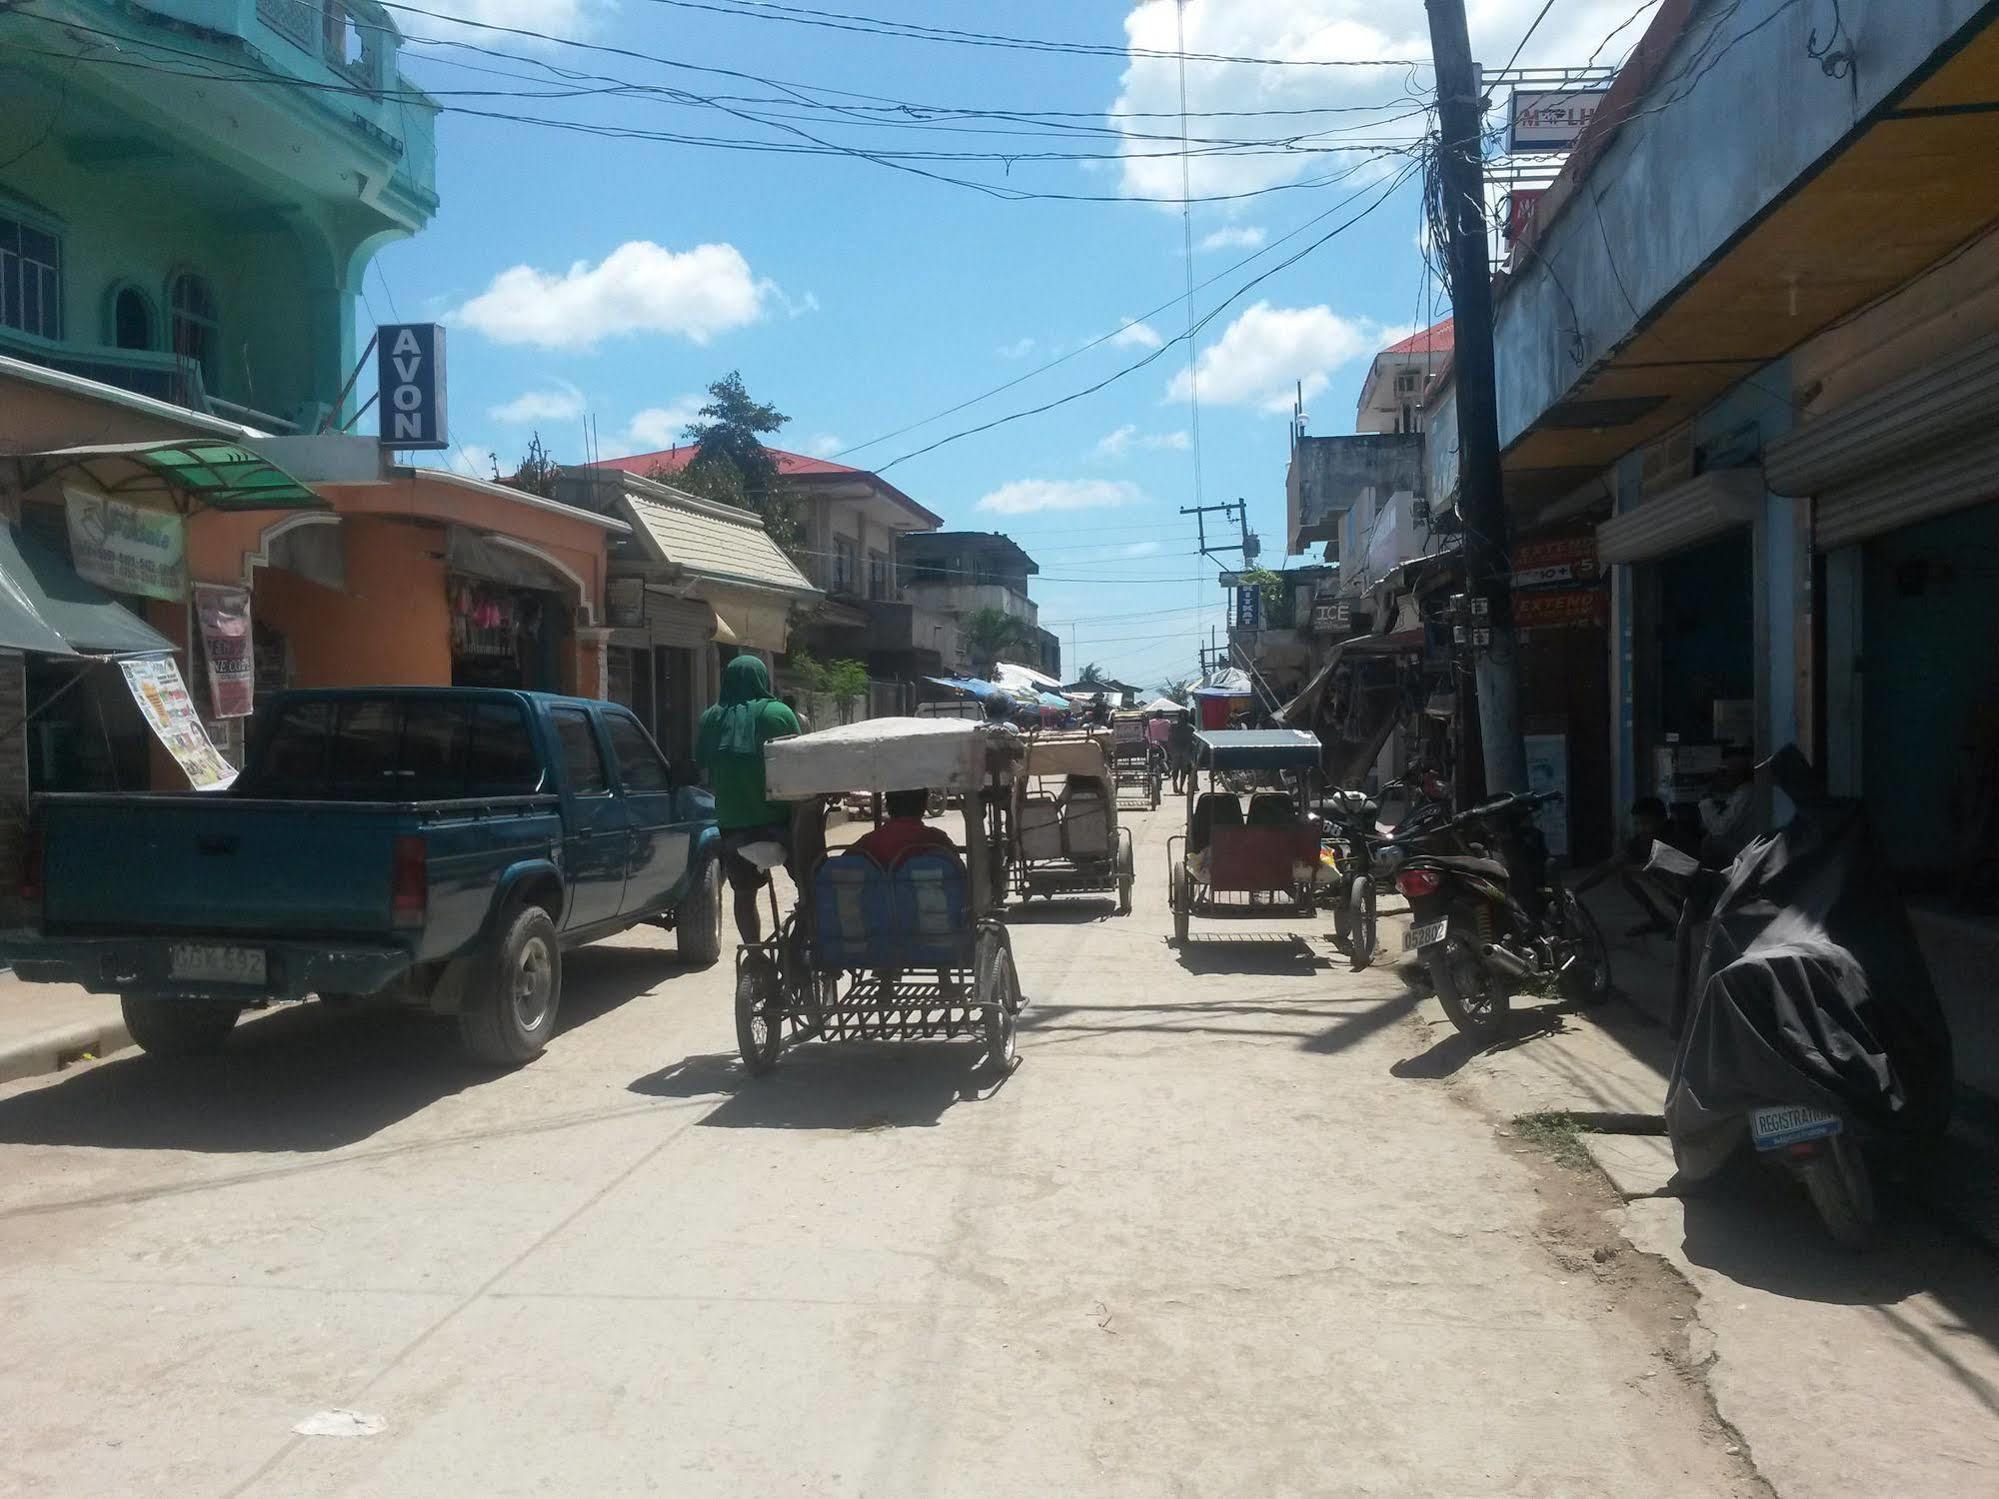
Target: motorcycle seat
point(1492, 869)
point(1352, 804)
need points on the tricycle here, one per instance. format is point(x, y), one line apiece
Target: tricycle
point(1140, 766)
point(909, 952)
point(1246, 856)
point(1063, 834)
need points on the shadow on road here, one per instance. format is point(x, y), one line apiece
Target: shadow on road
point(301, 1077)
point(1351, 1030)
point(1061, 911)
point(852, 1086)
point(1452, 1051)
point(1262, 953)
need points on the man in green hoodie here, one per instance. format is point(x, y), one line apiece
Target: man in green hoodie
point(730, 748)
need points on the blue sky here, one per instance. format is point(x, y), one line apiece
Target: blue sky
point(616, 277)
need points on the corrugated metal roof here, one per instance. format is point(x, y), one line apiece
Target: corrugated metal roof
point(711, 543)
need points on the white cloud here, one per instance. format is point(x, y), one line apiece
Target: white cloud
point(1020, 348)
point(1136, 335)
point(1266, 352)
point(1026, 496)
point(659, 427)
point(638, 288)
point(564, 404)
point(1233, 237)
point(472, 460)
point(1304, 31)
point(825, 445)
point(572, 19)
point(1118, 444)
point(1140, 549)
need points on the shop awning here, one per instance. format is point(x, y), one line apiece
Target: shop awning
point(968, 687)
point(47, 609)
point(207, 471)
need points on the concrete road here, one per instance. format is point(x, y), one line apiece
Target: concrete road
point(1217, 1235)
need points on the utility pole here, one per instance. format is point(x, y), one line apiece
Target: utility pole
point(1481, 492)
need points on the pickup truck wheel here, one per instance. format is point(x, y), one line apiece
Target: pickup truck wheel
point(178, 1027)
point(699, 924)
point(510, 1007)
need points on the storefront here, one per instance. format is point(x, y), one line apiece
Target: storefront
point(1683, 605)
point(1561, 611)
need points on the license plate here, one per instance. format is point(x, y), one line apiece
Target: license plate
point(1428, 935)
point(1772, 1129)
point(201, 963)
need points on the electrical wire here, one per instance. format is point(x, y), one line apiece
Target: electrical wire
point(1532, 27)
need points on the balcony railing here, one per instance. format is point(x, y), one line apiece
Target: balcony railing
point(329, 31)
point(160, 375)
point(297, 19)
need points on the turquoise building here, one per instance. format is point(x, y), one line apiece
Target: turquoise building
point(192, 190)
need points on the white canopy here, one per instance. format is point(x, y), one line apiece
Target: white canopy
point(881, 754)
point(1011, 675)
point(1163, 705)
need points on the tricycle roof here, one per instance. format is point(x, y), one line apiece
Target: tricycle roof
point(1066, 755)
point(1258, 749)
point(885, 754)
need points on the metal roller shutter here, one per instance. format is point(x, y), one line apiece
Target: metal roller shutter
point(1689, 513)
point(1962, 473)
point(1904, 416)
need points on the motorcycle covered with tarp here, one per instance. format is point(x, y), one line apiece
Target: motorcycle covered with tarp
point(1808, 1022)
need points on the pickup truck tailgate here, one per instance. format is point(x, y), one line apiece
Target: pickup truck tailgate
point(219, 865)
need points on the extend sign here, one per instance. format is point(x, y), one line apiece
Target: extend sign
point(1550, 121)
point(409, 373)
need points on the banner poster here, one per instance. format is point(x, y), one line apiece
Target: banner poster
point(163, 698)
point(226, 640)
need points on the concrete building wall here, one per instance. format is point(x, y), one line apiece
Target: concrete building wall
point(1641, 224)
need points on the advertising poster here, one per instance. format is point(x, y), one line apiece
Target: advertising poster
point(126, 549)
point(1548, 770)
point(163, 698)
point(226, 640)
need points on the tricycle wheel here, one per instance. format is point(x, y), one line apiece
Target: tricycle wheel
point(996, 990)
point(759, 1015)
point(510, 1008)
point(178, 1027)
point(1127, 872)
point(1181, 898)
point(1360, 921)
point(698, 928)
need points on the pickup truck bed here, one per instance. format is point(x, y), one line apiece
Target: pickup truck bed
point(192, 906)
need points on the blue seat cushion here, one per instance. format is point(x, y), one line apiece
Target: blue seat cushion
point(853, 913)
point(933, 926)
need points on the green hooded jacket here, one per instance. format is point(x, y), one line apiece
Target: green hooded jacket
point(729, 745)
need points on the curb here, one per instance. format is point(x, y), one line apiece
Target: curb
point(53, 1050)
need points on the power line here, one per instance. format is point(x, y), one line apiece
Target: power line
point(1138, 364)
point(1533, 26)
point(910, 30)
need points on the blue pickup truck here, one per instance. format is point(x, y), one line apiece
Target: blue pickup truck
point(440, 844)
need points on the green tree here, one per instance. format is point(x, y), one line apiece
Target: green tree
point(1176, 688)
point(1092, 675)
point(843, 680)
point(536, 473)
point(1273, 587)
point(989, 634)
point(731, 465)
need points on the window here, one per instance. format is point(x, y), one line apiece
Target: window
point(846, 565)
point(294, 761)
point(582, 761)
point(194, 320)
point(501, 760)
point(640, 766)
point(878, 587)
point(432, 763)
point(30, 280)
point(131, 319)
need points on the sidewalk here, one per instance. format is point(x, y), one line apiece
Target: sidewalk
point(1843, 1373)
point(45, 1027)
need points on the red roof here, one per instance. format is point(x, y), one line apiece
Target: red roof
point(673, 460)
point(790, 465)
point(1435, 339)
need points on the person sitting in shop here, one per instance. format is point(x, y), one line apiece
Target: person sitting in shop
point(904, 832)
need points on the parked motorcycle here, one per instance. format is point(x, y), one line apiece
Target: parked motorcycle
point(1485, 925)
point(1807, 1022)
point(1353, 836)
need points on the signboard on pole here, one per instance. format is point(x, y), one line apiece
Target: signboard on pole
point(1248, 608)
point(126, 549)
point(224, 612)
point(1555, 561)
point(1550, 120)
point(409, 374)
point(156, 686)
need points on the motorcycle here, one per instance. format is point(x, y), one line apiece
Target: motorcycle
point(1353, 840)
point(1807, 1023)
point(1487, 926)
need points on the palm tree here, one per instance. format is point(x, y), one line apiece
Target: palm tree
point(1092, 676)
point(1176, 688)
point(987, 634)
